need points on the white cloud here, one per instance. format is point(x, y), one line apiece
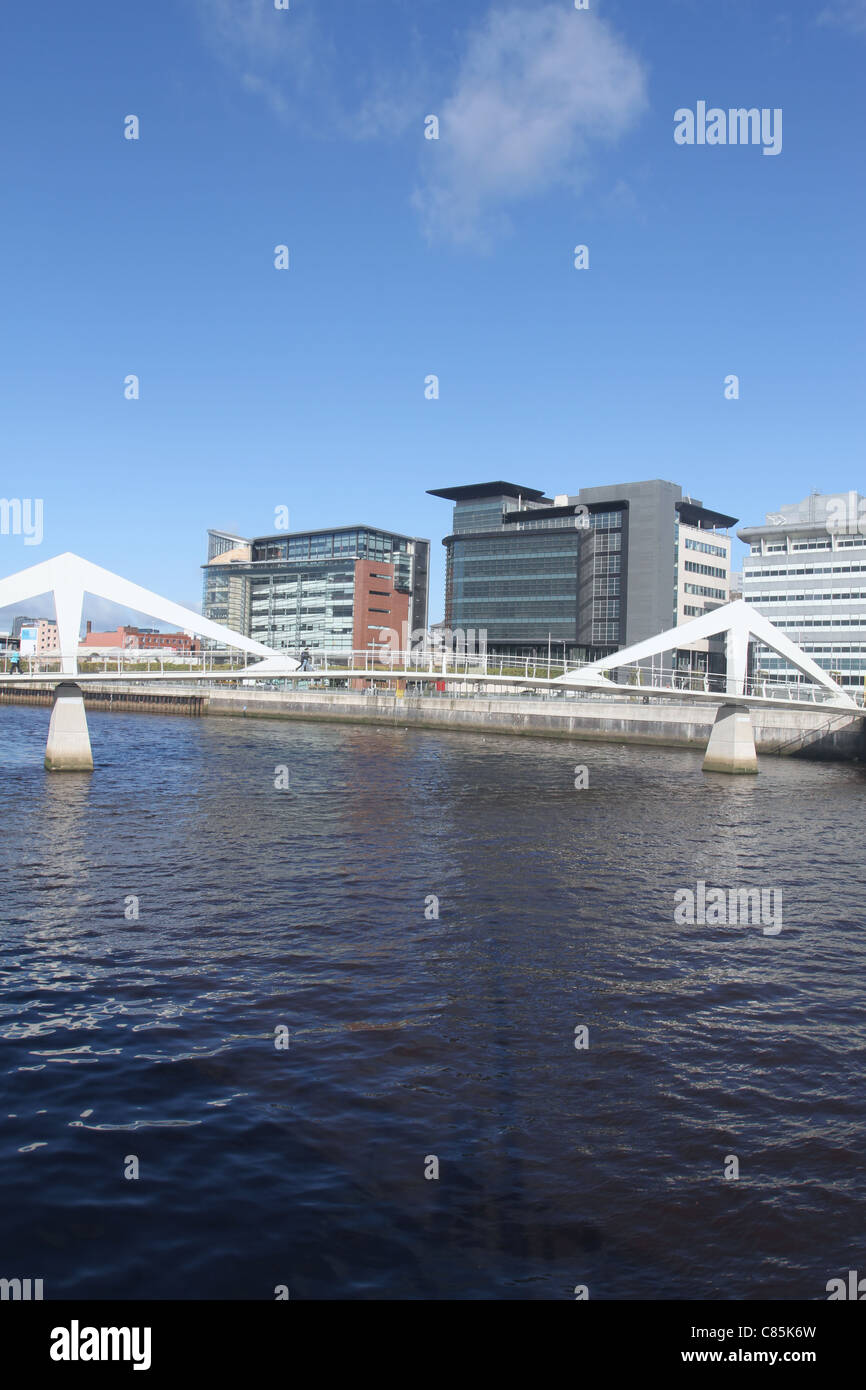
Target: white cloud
point(301, 64)
point(539, 87)
point(252, 30)
point(273, 53)
point(847, 14)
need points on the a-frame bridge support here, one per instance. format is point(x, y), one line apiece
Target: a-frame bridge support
point(68, 577)
point(732, 742)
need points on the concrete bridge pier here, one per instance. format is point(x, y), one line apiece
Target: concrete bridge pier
point(68, 747)
point(732, 742)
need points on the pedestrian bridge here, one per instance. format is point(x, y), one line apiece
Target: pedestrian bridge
point(731, 745)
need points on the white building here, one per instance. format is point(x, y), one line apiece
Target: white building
point(40, 638)
point(703, 582)
point(806, 572)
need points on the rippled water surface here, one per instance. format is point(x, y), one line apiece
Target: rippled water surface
point(414, 1036)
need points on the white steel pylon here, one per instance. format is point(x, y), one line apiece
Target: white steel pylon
point(739, 622)
point(69, 578)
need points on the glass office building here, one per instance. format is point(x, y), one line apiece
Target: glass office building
point(339, 589)
point(581, 575)
point(225, 597)
point(526, 571)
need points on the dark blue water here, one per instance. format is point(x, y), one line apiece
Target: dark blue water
point(412, 1036)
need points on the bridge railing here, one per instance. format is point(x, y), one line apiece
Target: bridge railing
point(759, 684)
point(392, 668)
point(375, 661)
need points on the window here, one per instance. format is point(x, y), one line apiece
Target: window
point(705, 569)
point(704, 592)
point(711, 549)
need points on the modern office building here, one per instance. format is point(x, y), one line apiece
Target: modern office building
point(584, 574)
point(806, 572)
point(346, 589)
point(226, 592)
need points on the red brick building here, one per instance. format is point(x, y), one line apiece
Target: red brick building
point(136, 639)
point(377, 606)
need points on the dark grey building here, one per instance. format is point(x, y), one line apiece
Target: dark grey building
point(587, 573)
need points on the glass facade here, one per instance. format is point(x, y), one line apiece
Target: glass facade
point(529, 573)
point(225, 596)
point(302, 606)
point(601, 582)
point(221, 542)
point(218, 595)
point(300, 588)
point(515, 595)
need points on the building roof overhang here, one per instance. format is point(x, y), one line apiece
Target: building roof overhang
point(795, 528)
point(470, 490)
point(334, 531)
point(693, 515)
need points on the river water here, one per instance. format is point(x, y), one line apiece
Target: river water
point(416, 1039)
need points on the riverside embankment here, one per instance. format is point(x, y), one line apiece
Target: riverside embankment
point(820, 734)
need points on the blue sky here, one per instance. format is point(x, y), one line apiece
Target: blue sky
point(305, 388)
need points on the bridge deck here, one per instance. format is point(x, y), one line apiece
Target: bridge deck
point(491, 682)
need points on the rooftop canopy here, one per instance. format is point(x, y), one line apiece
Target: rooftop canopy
point(692, 514)
point(472, 490)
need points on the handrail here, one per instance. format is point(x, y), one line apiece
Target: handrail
point(440, 662)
